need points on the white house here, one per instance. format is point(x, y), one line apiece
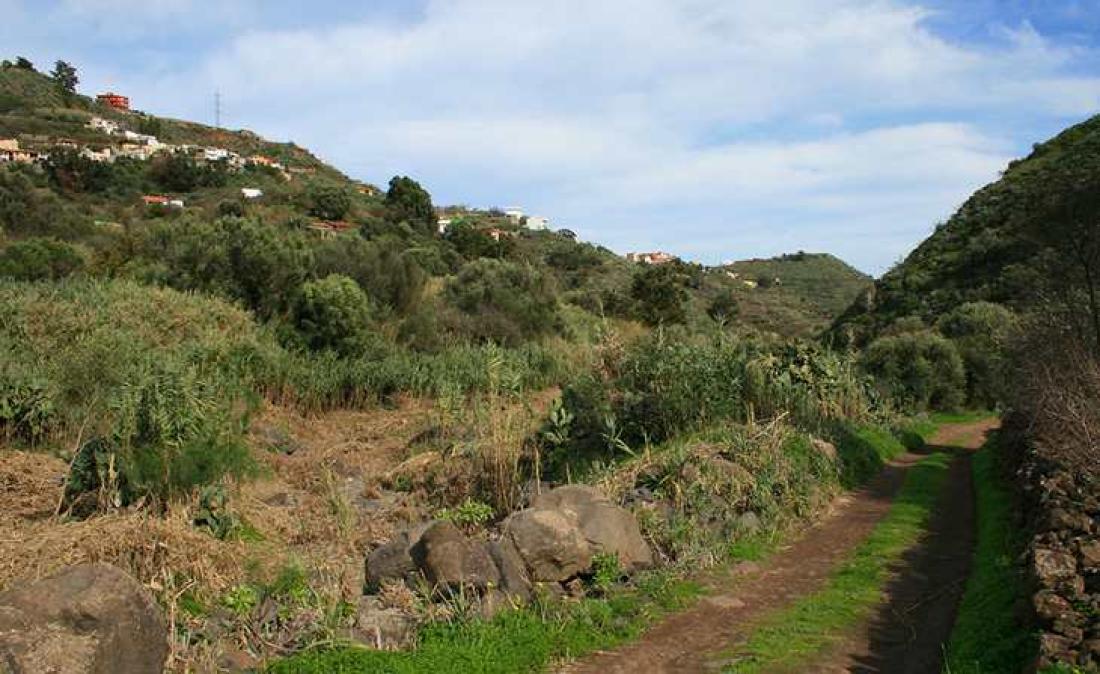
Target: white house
point(175, 203)
point(215, 153)
point(444, 224)
point(514, 213)
point(141, 138)
point(538, 223)
point(105, 125)
point(251, 192)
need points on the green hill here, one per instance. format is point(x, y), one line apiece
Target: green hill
point(1013, 242)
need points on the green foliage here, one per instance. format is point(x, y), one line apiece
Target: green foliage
point(388, 273)
point(37, 258)
point(65, 77)
point(987, 636)
point(504, 302)
point(981, 332)
point(328, 202)
point(239, 258)
point(178, 172)
point(724, 308)
point(24, 63)
point(920, 371)
point(25, 209)
point(407, 201)
point(214, 513)
point(659, 295)
point(473, 241)
point(334, 313)
point(470, 514)
point(606, 571)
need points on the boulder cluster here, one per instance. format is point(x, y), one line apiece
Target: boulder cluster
point(545, 546)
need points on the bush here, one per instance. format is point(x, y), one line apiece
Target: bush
point(333, 313)
point(504, 302)
point(724, 307)
point(659, 295)
point(25, 209)
point(37, 259)
point(918, 370)
point(383, 268)
point(239, 258)
point(981, 332)
point(328, 202)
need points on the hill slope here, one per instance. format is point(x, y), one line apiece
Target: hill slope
point(1000, 246)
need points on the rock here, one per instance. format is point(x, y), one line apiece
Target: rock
point(610, 529)
point(275, 439)
point(550, 543)
point(1054, 649)
point(1054, 566)
point(1049, 606)
point(381, 628)
point(495, 601)
point(513, 577)
point(234, 659)
point(1090, 555)
point(747, 522)
point(570, 497)
point(449, 560)
point(391, 561)
point(88, 619)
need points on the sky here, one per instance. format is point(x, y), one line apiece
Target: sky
point(712, 129)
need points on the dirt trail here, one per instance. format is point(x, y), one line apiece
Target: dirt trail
point(928, 586)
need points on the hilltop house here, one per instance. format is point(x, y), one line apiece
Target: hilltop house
point(116, 101)
point(105, 125)
point(10, 151)
point(514, 213)
point(251, 192)
point(656, 257)
point(537, 223)
point(443, 224)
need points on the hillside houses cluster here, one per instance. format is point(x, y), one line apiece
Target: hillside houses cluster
point(656, 257)
point(446, 216)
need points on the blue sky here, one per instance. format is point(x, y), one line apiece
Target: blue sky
point(714, 129)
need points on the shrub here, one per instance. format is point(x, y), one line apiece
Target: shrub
point(504, 302)
point(918, 370)
point(333, 313)
point(724, 307)
point(36, 259)
point(981, 332)
point(659, 295)
point(383, 268)
point(328, 202)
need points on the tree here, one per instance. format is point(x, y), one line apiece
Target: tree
point(504, 302)
point(333, 313)
point(981, 332)
point(407, 201)
point(383, 268)
point(658, 295)
point(328, 202)
point(917, 370)
point(38, 259)
point(64, 75)
point(23, 63)
point(724, 308)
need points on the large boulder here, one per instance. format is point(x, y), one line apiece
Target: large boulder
point(88, 619)
point(513, 576)
point(381, 628)
point(393, 561)
point(606, 527)
point(449, 560)
point(550, 543)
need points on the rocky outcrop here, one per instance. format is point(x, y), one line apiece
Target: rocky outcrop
point(549, 544)
point(88, 619)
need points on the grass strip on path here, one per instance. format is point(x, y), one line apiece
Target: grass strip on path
point(986, 637)
point(793, 635)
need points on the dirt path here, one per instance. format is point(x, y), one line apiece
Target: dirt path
point(692, 641)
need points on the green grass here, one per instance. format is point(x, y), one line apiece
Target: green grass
point(986, 637)
point(791, 636)
point(514, 641)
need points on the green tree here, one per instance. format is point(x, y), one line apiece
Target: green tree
point(64, 76)
point(504, 302)
point(25, 64)
point(981, 331)
point(38, 259)
point(659, 295)
point(333, 313)
point(724, 307)
point(383, 268)
point(407, 201)
point(472, 241)
point(917, 370)
point(328, 202)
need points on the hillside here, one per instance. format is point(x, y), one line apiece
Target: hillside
point(1009, 243)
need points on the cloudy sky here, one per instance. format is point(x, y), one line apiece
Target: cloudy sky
point(714, 129)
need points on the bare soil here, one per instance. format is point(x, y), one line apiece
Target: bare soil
point(905, 635)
